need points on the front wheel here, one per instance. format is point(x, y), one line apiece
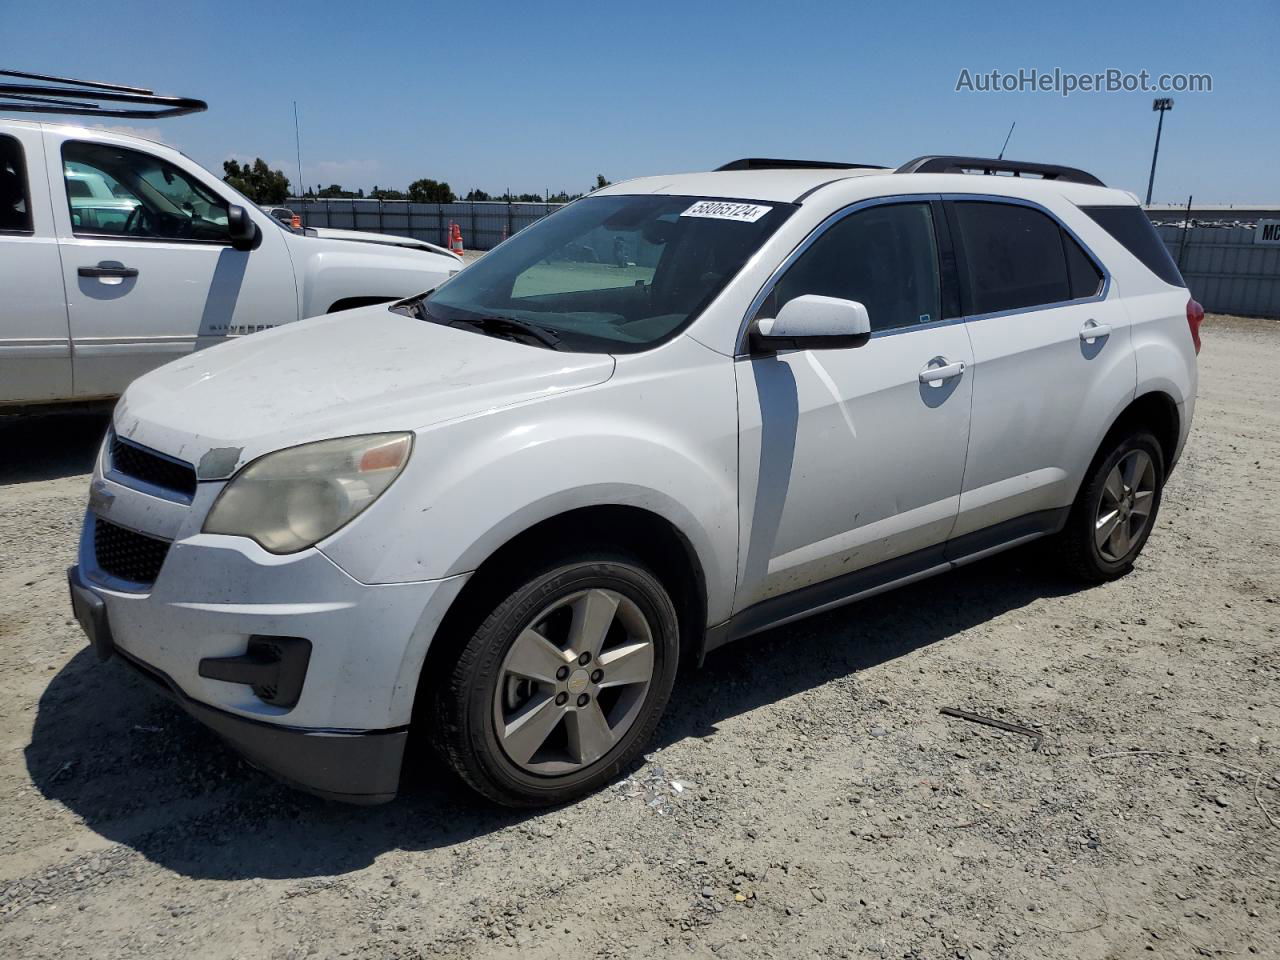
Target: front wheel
point(562, 685)
point(1115, 509)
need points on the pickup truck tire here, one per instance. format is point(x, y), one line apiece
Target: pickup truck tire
point(1115, 510)
point(562, 684)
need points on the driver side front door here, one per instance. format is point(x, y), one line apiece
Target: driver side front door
point(148, 267)
point(852, 460)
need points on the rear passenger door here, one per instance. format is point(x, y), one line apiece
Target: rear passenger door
point(35, 349)
point(1052, 365)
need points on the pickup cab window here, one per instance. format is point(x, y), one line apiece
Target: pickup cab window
point(15, 201)
point(116, 192)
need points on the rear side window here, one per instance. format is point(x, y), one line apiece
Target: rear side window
point(1130, 226)
point(15, 200)
point(1013, 257)
point(1017, 258)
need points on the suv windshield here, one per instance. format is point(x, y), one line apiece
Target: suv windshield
point(613, 274)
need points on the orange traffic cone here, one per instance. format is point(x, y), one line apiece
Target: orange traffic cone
point(455, 241)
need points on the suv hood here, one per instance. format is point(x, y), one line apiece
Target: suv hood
point(359, 371)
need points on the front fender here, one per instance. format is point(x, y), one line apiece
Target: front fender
point(473, 485)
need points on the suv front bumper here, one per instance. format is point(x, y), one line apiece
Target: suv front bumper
point(352, 766)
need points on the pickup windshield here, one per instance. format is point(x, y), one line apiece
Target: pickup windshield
point(615, 274)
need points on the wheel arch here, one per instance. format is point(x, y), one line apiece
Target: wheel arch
point(652, 537)
point(1158, 412)
point(352, 303)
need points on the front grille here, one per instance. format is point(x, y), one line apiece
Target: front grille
point(131, 460)
point(130, 556)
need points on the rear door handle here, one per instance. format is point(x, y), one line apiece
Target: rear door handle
point(106, 270)
point(945, 371)
point(1092, 331)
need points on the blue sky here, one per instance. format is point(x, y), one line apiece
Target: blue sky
point(540, 95)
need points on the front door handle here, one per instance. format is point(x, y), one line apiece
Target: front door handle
point(1092, 331)
point(935, 375)
point(108, 270)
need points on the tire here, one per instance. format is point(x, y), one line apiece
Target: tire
point(528, 723)
point(1082, 554)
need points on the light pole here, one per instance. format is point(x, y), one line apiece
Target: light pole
point(1161, 104)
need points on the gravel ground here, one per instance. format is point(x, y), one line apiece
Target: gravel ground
point(804, 797)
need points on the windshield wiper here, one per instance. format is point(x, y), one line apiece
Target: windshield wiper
point(512, 325)
point(415, 307)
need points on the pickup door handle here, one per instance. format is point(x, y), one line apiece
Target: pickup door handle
point(1092, 331)
point(946, 371)
point(107, 270)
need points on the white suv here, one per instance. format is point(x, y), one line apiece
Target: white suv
point(679, 411)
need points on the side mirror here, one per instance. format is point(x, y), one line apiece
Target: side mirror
point(244, 233)
point(812, 322)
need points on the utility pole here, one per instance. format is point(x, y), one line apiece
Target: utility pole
point(1161, 104)
point(297, 142)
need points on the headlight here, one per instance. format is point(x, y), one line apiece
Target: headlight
point(291, 499)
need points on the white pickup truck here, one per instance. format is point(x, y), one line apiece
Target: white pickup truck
point(118, 254)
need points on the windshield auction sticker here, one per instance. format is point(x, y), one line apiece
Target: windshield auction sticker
point(722, 210)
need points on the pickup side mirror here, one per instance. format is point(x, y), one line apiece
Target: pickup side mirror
point(813, 322)
point(244, 233)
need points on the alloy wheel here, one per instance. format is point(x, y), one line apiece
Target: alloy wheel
point(573, 682)
point(1124, 510)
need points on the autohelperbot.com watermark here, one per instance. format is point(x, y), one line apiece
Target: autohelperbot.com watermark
point(1065, 82)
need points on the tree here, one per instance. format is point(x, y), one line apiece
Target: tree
point(379, 193)
point(430, 191)
point(333, 191)
point(601, 182)
point(477, 195)
point(257, 181)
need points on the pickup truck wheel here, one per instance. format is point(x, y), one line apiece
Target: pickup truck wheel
point(562, 685)
point(1115, 509)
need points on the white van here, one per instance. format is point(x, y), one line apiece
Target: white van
point(118, 254)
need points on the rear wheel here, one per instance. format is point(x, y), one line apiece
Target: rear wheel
point(1115, 509)
point(562, 685)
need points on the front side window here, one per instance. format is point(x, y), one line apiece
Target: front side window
point(614, 274)
point(885, 257)
point(116, 192)
point(15, 201)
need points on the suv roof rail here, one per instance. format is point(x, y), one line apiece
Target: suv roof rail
point(985, 165)
point(81, 98)
point(765, 163)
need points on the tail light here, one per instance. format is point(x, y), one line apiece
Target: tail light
point(1195, 316)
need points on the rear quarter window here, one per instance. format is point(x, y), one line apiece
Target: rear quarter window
point(1130, 226)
